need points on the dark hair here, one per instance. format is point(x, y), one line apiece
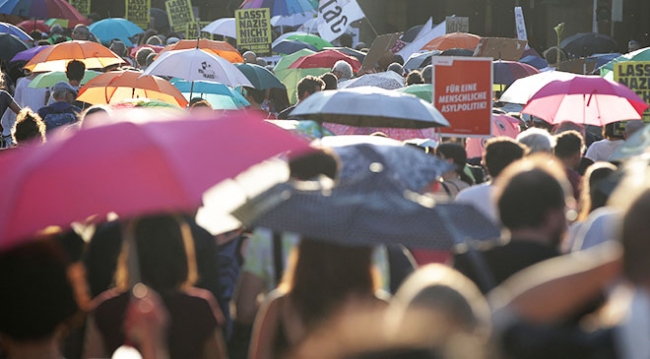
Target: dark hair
point(319, 162)
point(278, 99)
point(457, 153)
point(146, 35)
point(567, 144)
point(199, 102)
point(330, 80)
point(151, 57)
point(142, 54)
point(500, 152)
point(75, 70)
point(36, 35)
point(610, 131)
point(636, 246)
point(309, 84)
point(413, 78)
point(592, 196)
point(257, 95)
point(36, 295)
point(29, 125)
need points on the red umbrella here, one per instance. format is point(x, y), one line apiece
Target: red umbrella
point(507, 72)
point(30, 25)
point(131, 167)
point(325, 59)
point(456, 40)
point(590, 100)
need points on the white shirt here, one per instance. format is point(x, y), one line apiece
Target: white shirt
point(24, 96)
point(480, 196)
point(603, 224)
point(602, 150)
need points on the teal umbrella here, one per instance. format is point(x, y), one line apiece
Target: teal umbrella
point(220, 96)
point(115, 28)
point(260, 77)
point(638, 55)
point(49, 79)
point(423, 91)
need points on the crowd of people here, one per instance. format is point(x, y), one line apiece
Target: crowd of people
point(567, 279)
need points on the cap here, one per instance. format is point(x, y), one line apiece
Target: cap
point(63, 86)
point(172, 40)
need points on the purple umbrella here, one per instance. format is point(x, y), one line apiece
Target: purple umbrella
point(28, 54)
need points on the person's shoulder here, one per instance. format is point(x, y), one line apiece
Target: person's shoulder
point(474, 190)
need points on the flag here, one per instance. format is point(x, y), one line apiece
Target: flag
point(334, 17)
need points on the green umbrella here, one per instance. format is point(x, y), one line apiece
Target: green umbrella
point(287, 60)
point(260, 77)
point(311, 39)
point(291, 77)
point(49, 79)
point(638, 55)
point(423, 91)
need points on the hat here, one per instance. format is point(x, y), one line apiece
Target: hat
point(172, 40)
point(59, 86)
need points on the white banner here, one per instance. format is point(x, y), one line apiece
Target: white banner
point(521, 24)
point(334, 17)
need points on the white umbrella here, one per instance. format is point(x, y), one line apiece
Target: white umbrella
point(388, 80)
point(285, 35)
point(197, 65)
point(310, 26)
point(523, 89)
point(370, 107)
point(224, 27)
point(293, 19)
point(416, 60)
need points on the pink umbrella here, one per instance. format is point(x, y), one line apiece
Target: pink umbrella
point(590, 100)
point(130, 168)
point(400, 134)
point(502, 125)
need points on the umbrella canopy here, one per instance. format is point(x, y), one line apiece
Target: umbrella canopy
point(281, 7)
point(350, 52)
point(634, 145)
point(43, 9)
point(28, 54)
point(291, 77)
point(456, 40)
point(160, 19)
point(293, 19)
point(220, 96)
point(31, 25)
point(398, 134)
point(410, 34)
point(325, 59)
point(638, 55)
point(369, 107)
point(6, 28)
point(115, 28)
point(420, 60)
point(371, 211)
point(56, 57)
point(220, 48)
point(260, 77)
point(534, 61)
point(388, 80)
point(590, 100)
point(287, 60)
point(11, 45)
point(502, 125)
point(49, 79)
point(290, 46)
point(224, 27)
point(588, 43)
point(310, 130)
point(132, 167)
point(507, 72)
point(523, 89)
point(197, 65)
point(310, 39)
point(423, 91)
point(116, 86)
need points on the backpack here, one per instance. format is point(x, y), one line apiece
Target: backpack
point(57, 119)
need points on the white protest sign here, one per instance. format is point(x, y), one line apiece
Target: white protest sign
point(334, 17)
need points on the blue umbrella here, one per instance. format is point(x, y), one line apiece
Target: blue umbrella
point(10, 45)
point(6, 28)
point(534, 61)
point(115, 28)
point(260, 77)
point(220, 96)
point(291, 46)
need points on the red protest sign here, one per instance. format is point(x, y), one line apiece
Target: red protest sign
point(462, 92)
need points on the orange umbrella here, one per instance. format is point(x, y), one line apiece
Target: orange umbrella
point(221, 48)
point(117, 86)
point(456, 40)
point(56, 58)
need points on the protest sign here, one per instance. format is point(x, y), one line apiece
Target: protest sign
point(334, 17)
point(83, 6)
point(521, 24)
point(380, 51)
point(456, 24)
point(500, 48)
point(462, 92)
point(137, 11)
point(180, 14)
point(254, 30)
point(192, 30)
point(636, 76)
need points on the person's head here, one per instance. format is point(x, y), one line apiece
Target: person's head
point(81, 32)
point(569, 146)
point(610, 131)
point(92, 111)
point(396, 68)
point(342, 70)
point(499, 153)
point(249, 57)
point(427, 74)
point(118, 47)
point(254, 96)
point(199, 105)
point(150, 58)
point(414, 78)
point(146, 35)
point(633, 45)
point(63, 91)
point(36, 35)
point(593, 196)
point(320, 162)
point(29, 125)
point(56, 29)
point(165, 253)
point(455, 154)
point(330, 80)
point(141, 56)
point(633, 126)
point(262, 62)
point(532, 196)
point(569, 126)
point(154, 40)
point(636, 246)
point(309, 85)
point(537, 140)
point(345, 40)
point(75, 71)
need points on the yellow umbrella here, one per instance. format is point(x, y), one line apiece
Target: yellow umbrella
point(56, 57)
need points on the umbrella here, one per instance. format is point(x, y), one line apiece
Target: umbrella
point(420, 60)
point(350, 52)
point(43, 9)
point(310, 130)
point(197, 65)
point(370, 211)
point(6, 28)
point(63, 22)
point(588, 43)
point(291, 77)
point(507, 72)
point(457, 52)
point(49, 79)
point(11, 45)
point(115, 28)
point(325, 59)
point(160, 19)
point(260, 77)
point(523, 89)
point(31, 25)
point(116, 86)
point(369, 107)
point(638, 55)
point(290, 46)
point(220, 48)
point(56, 57)
point(220, 96)
point(293, 19)
point(456, 40)
point(534, 61)
point(399, 134)
point(423, 91)
point(388, 80)
point(310, 39)
point(410, 34)
point(134, 51)
point(502, 125)
point(287, 60)
point(281, 7)
point(601, 59)
point(224, 27)
point(590, 100)
point(635, 145)
point(130, 167)
point(28, 54)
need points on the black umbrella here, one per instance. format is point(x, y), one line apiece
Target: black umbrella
point(10, 45)
point(160, 19)
point(410, 34)
point(458, 52)
point(587, 44)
